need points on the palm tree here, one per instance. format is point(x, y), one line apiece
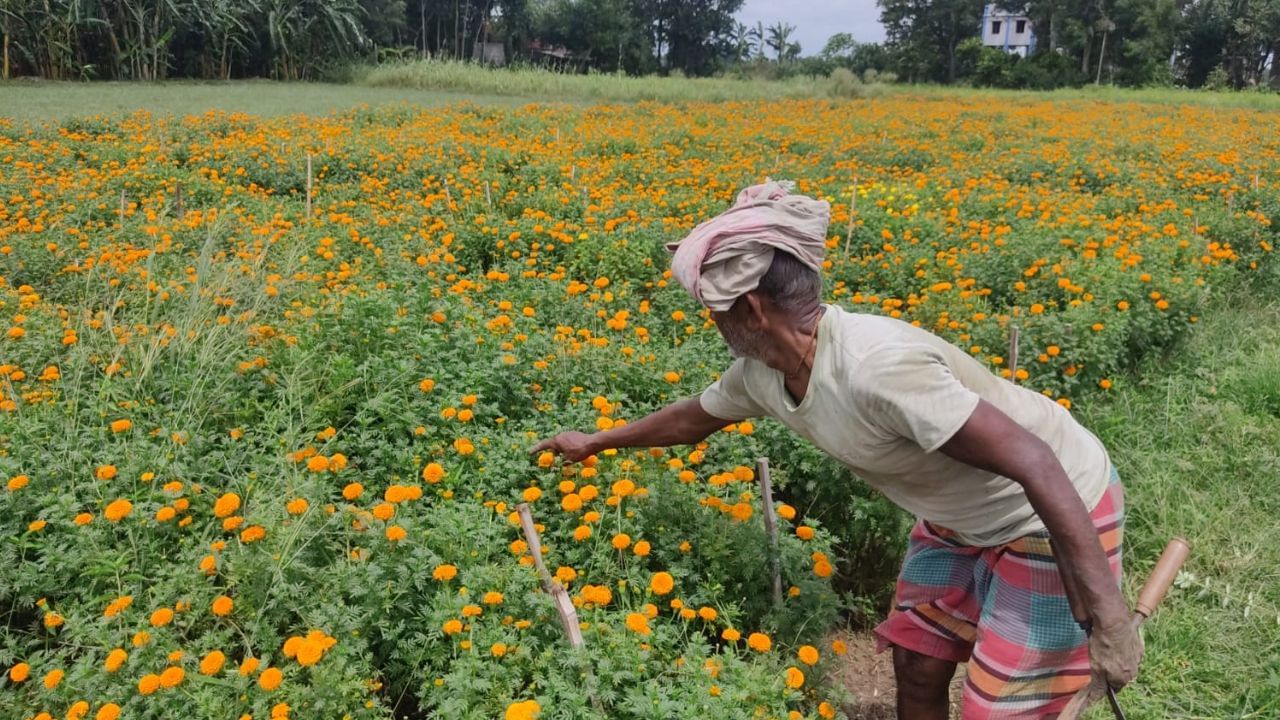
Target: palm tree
point(757, 36)
point(780, 37)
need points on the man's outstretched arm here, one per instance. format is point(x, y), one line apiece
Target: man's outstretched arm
point(680, 423)
point(991, 440)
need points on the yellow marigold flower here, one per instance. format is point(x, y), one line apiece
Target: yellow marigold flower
point(212, 662)
point(471, 611)
point(270, 679)
point(427, 385)
point(53, 620)
point(492, 597)
point(731, 635)
point(222, 606)
point(759, 642)
point(524, 710)
point(531, 494)
point(661, 583)
point(452, 626)
point(83, 518)
point(37, 525)
point(498, 649)
point(838, 647)
point(140, 638)
point(384, 511)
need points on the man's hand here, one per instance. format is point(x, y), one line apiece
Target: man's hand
point(1115, 652)
point(571, 445)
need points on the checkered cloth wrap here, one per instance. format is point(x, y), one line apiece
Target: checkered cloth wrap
point(1002, 609)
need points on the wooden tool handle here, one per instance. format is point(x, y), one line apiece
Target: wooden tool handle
point(1175, 553)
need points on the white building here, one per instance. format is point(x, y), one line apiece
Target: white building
point(1008, 31)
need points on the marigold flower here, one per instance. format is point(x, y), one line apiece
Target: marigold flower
point(20, 672)
point(444, 573)
point(110, 711)
point(149, 684)
point(172, 676)
point(52, 678)
point(395, 533)
point(638, 623)
point(119, 426)
point(105, 472)
point(452, 626)
point(212, 662)
point(759, 642)
point(270, 679)
point(524, 710)
point(227, 504)
point(352, 491)
point(662, 583)
point(117, 510)
point(161, 617)
point(808, 654)
point(795, 678)
point(17, 482)
point(222, 606)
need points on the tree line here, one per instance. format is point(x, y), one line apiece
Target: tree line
point(1215, 43)
point(307, 39)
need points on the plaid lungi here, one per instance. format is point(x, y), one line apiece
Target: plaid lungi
point(1003, 610)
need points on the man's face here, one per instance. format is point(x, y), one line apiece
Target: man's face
point(742, 341)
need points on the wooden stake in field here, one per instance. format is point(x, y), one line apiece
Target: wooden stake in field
point(488, 198)
point(177, 201)
point(564, 605)
point(770, 527)
point(448, 196)
point(308, 187)
point(1013, 353)
point(853, 210)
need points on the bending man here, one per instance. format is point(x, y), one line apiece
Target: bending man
point(991, 470)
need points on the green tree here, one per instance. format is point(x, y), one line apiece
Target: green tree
point(924, 34)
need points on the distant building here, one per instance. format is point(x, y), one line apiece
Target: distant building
point(1009, 31)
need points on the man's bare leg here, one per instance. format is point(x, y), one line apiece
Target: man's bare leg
point(924, 685)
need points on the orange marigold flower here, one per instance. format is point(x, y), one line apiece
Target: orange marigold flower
point(172, 676)
point(227, 504)
point(17, 482)
point(524, 710)
point(395, 533)
point(121, 425)
point(212, 662)
point(20, 672)
point(759, 642)
point(105, 472)
point(808, 654)
point(621, 541)
point(117, 510)
point(270, 679)
point(223, 606)
point(52, 678)
point(638, 623)
point(795, 678)
point(662, 583)
point(161, 617)
point(444, 573)
point(352, 491)
point(149, 683)
point(110, 711)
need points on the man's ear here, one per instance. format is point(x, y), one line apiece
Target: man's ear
point(755, 314)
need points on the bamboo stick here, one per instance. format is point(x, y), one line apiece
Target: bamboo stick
point(308, 187)
point(564, 605)
point(1014, 332)
point(770, 527)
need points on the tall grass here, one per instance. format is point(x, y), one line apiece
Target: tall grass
point(529, 81)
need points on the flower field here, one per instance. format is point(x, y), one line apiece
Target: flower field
point(265, 464)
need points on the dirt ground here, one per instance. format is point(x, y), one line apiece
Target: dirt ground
point(869, 679)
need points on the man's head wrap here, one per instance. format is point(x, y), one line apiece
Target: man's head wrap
point(725, 257)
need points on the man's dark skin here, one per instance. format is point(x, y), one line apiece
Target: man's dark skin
point(989, 440)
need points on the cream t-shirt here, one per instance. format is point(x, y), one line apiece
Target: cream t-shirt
point(884, 395)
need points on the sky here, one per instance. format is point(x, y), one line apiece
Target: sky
point(817, 20)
